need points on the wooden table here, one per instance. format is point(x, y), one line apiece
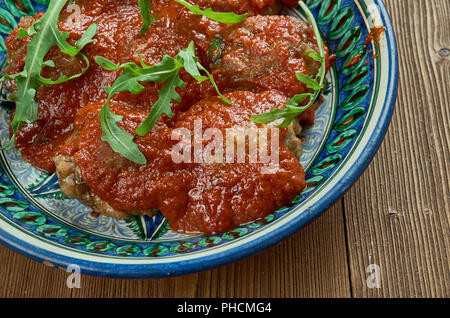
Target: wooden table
point(395, 217)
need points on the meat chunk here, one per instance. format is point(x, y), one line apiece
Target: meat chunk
point(16, 51)
point(206, 196)
point(264, 52)
point(72, 185)
point(293, 140)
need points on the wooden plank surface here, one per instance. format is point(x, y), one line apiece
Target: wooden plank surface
point(397, 214)
point(395, 218)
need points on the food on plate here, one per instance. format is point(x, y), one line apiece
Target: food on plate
point(106, 93)
point(264, 52)
point(207, 196)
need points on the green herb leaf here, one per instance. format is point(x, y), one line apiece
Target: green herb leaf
point(21, 33)
point(88, 37)
point(316, 57)
point(288, 114)
point(309, 81)
point(147, 18)
point(119, 140)
point(292, 109)
point(190, 62)
point(163, 104)
point(297, 99)
point(223, 17)
point(64, 78)
point(213, 82)
point(133, 74)
point(168, 72)
point(46, 35)
point(107, 64)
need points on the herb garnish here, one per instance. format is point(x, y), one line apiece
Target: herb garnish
point(223, 17)
point(167, 71)
point(316, 83)
point(147, 18)
point(46, 35)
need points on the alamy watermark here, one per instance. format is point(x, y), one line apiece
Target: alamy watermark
point(74, 279)
point(75, 13)
point(374, 278)
point(245, 143)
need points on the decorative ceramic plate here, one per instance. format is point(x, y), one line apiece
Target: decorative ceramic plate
point(37, 220)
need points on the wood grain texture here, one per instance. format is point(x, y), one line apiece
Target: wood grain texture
point(396, 215)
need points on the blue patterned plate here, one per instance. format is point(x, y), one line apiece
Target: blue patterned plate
point(37, 220)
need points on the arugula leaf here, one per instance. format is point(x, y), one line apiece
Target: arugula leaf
point(193, 66)
point(88, 37)
point(147, 18)
point(297, 99)
point(163, 104)
point(190, 62)
point(211, 78)
point(133, 74)
point(107, 64)
point(223, 17)
point(309, 81)
point(46, 35)
point(289, 113)
point(168, 72)
point(119, 140)
point(316, 57)
point(316, 83)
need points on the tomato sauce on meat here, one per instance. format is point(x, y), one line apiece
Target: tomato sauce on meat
point(253, 62)
point(194, 197)
point(254, 56)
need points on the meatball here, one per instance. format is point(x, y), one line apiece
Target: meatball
point(264, 53)
point(290, 3)
point(72, 185)
point(16, 51)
